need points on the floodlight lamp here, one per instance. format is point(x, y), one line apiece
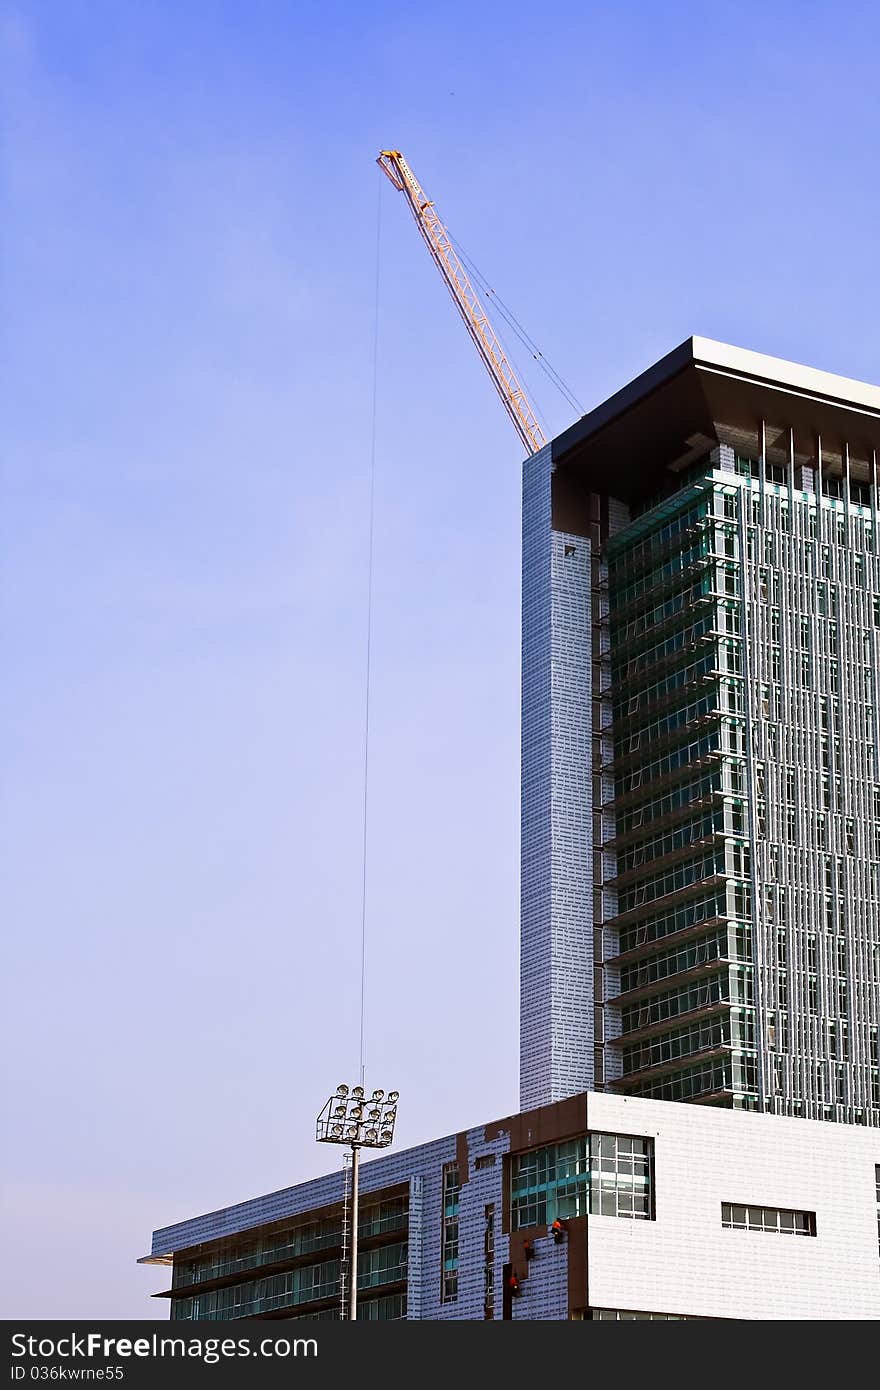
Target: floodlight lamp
point(339, 1111)
point(357, 1091)
point(393, 1095)
point(377, 1095)
point(356, 1113)
point(336, 1129)
point(353, 1132)
point(387, 1136)
point(374, 1114)
point(372, 1135)
point(390, 1117)
point(342, 1090)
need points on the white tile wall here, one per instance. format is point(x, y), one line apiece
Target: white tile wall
point(684, 1262)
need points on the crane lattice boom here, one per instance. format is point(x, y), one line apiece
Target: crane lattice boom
point(439, 243)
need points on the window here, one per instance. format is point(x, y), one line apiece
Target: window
point(382, 1265)
point(620, 1176)
point(282, 1242)
point(860, 493)
point(813, 994)
point(449, 1234)
point(485, 1161)
point(735, 1027)
point(775, 1220)
point(489, 1261)
point(603, 1174)
point(877, 1185)
point(292, 1289)
point(730, 943)
point(625, 1315)
point(734, 1073)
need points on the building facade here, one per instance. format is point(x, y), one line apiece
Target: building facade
point(663, 1211)
point(701, 789)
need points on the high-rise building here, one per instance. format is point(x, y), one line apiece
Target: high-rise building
point(700, 900)
point(701, 780)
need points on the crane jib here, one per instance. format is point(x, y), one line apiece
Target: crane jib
point(476, 320)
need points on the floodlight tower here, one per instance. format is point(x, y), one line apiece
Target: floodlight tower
point(350, 1118)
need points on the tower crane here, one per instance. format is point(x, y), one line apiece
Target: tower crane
point(476, 321)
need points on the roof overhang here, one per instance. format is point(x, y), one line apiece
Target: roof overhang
point(703, 393)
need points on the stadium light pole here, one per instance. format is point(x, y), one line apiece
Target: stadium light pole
point(350, 1118)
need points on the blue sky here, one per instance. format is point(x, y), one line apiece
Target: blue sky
point(190, 222)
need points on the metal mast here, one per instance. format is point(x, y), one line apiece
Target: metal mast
point(349, 1118)
point(439, 243)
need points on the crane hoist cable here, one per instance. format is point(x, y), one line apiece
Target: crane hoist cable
point(495, 359)
point(369, 637)
point(511, 320)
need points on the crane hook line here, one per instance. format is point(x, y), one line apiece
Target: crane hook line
point(525, 339)
point(367, 677)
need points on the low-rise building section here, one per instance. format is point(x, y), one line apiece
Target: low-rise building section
point(597, 1207)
